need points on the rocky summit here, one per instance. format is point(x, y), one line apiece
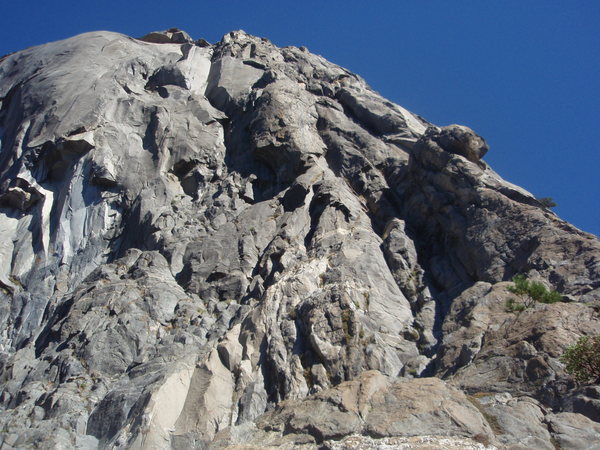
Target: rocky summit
point(236, 245)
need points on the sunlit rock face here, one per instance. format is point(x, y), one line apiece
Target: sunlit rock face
point(239, 244)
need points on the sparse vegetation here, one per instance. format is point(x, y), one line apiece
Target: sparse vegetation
point(82, 385)
point(530, 292)
point(491, 420)
point(547, 202)
point(14, 280)
point(4, 289)
point(582, 359)
point(513, 306)
point(367, 297)
point(555, 443)
point(292, 314)
point(346, 326)
point(322, 280)
point(308, 377)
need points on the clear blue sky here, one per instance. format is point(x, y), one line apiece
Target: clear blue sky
point(523, 74)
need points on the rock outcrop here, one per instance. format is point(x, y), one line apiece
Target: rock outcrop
point(236, 245)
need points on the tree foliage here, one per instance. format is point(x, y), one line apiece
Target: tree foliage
point(514, 306)
point(547, 202)
point(530, 292)
point(582, 359)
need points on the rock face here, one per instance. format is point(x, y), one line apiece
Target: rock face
point(236, 244)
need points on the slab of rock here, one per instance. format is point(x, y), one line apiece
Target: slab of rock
point(574, 431)
point(372, 405)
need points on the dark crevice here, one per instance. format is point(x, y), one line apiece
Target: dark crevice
point(51, 332)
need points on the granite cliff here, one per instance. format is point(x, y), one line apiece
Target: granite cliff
point(237, 245)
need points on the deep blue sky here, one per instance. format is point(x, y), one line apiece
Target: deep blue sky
point(523, 74)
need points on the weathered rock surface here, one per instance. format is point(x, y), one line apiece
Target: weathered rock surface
point(237, 244)
point(371, 405)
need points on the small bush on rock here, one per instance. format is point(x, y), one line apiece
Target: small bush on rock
point(547, 202)
point(530, 292)
point(513, 306)
point(582, 359)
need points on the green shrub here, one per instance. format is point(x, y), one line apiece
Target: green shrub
point(513, 306)
point(530, 292)
point(547, 202)
point(582, 359)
